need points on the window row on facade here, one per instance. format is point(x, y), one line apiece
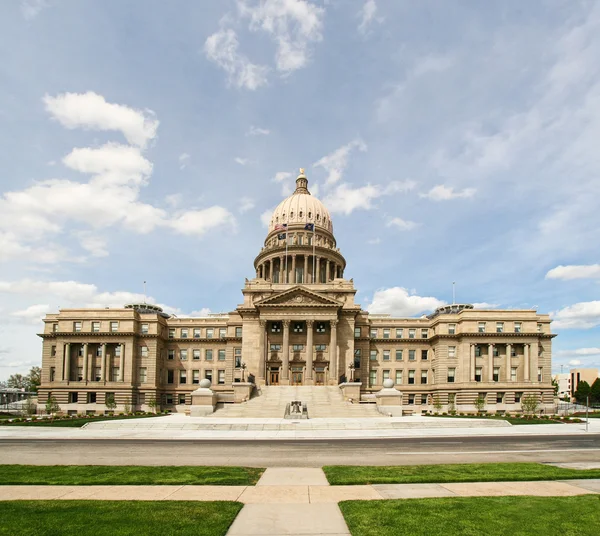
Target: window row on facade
point(423, 333)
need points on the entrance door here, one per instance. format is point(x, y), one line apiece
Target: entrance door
point(296, 378)
point(320, 378)
point(274, 377)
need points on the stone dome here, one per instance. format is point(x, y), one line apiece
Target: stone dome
point(301, 208)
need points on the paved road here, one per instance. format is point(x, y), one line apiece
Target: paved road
point(405, 451)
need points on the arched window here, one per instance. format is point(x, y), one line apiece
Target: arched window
point(310, 215)
point(292, 215)
point(318, 217)
point(300, 214)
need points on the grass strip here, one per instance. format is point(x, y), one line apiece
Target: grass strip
point(115, 475)
point(342, 475)
point(110, 518)
point(75, 422)
point(474, 516)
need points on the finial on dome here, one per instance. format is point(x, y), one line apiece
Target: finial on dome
point(302, 183)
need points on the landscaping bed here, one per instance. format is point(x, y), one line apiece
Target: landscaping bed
point(73, 421)
point(513, 418)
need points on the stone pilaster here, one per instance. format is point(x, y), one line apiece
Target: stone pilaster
point(285, 364)
point(262, 342)
point(526, 364)
point(309, 351)
point(85, 362)
point(67, 363)
point(333, 351)
point(490, 362)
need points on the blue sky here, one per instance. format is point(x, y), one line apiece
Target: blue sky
point(148, 140)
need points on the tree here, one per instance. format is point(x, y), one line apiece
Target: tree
point(437, 403)
point(480, 403)
point(52, 406)
point(595, 392)
point(110, 402)
point(555, 385)
point(29, 407)
point(153, 404)
point(34, 379)
point(583, 391)
point(17, 381)
point(530, 403)
point(127, 405)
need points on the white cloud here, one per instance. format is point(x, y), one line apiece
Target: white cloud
point(402, 225)
point(246, 204)
point(184, 160)
point(33, 314)
point(91, 111)
point(241, 161)
point(579, 351)
point(257, 131)
point(174, 200)
point(292, 24)
point(281, 176)
point(575, 362)
point(444, 193)
point(345, 199)
point(590, 271)
point(93, 244)
point(198, 222)
point(222, 49)
point(367, 16)
point(335, 163)
point(205, 311)
point(485, 305)
point(374, 241)
point(398, 302)
point(265, 217)
point(31, 8)
point(583, 315)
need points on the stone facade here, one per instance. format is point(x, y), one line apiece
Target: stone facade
point(298, 324)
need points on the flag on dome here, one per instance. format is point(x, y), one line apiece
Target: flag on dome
point(281, 226)
point(281, 236)
point(310, 227)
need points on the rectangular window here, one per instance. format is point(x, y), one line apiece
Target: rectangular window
point(238, 332)
point(79, 374)
point(52, 373)
point(386, 355)
point(76, 327)
point(297, 347)
point(540, 374)
point(221, 355)
point(321, 327)
point(398, 355)
point(499, 398)
point(143, 374)
point(144, 351)
point(73, 397)
point(53, 351)
point(424, 355)
point(411, 400)
point(386, 375)
point(373, 333)
point(55, 328)
point(182, 377)
point(276, 327)
point(208, 355)
point(171, 333)
point(115, 374)
point(477, 350)
point(424, 333)
point(517, 327)
point(276, 348)
point(477, 374)
point(181, 399)
point(222, 333)
point(495, 351)
point(195, 376)
point(513, 374)
point(91, 398)
point(373, 355)
point(398, 377)
point(221, 377)
point(183, 355)
point(80, 351)
point(95, 327)
point(357, 356)
point(499, 327)
point(372, 378)
point(423, 376)
point(196, 354)
point(451, 351)
point(451, 375)
point(518, 397)
point(114, 327)
point(423, 400)
point(170, 354)
point(184, 333)
point(411, 355)
point(208, 374)
point(169, 400)
point(209, 333)
point(97, 374)
point(356, 332)
point(412, 333)
point(298, 327)
point(481, 327)
point(144, 329)
point(320, 347)
point(411, 377)
point(496, 374)
point(237, 354)
point(170, 376)
point(539, 328)
point(197, 333)
point(99, 351)
point(118, 351)
point(399, 332)
point(386, 333)
point(451, 329)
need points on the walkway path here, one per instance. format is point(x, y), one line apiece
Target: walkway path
point(297, 501)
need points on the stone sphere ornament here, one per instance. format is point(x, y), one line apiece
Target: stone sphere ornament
point(205, 383)
point(388, 384)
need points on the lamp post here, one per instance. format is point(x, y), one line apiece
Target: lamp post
point(243, 367)
point(351, 367)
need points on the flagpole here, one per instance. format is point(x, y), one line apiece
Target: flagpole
point(313, 279)
point(286, 255)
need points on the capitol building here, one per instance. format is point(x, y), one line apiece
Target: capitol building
point(298, 324)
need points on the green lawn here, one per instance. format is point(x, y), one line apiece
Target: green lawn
point(339, 475)
point(114, 475)
point(474, 516)
point(114, 518)
point(511, 420)
point(75, 422)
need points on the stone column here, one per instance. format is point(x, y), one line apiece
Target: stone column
point(67, 362)
point(85, 362)
point(318, 271)
point(309, 351)
point(305, 275)
point(294, 269)
point(526, 365)
point(490, 362)
point(533, 357)
point(333, 352)
point(285, 364)
point(327, 268)
point(472, 356)
point(262, 342)
point(122, 365)
point(508, 365)
point(103, 363)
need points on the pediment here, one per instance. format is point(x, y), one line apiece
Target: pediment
point(298, 297)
